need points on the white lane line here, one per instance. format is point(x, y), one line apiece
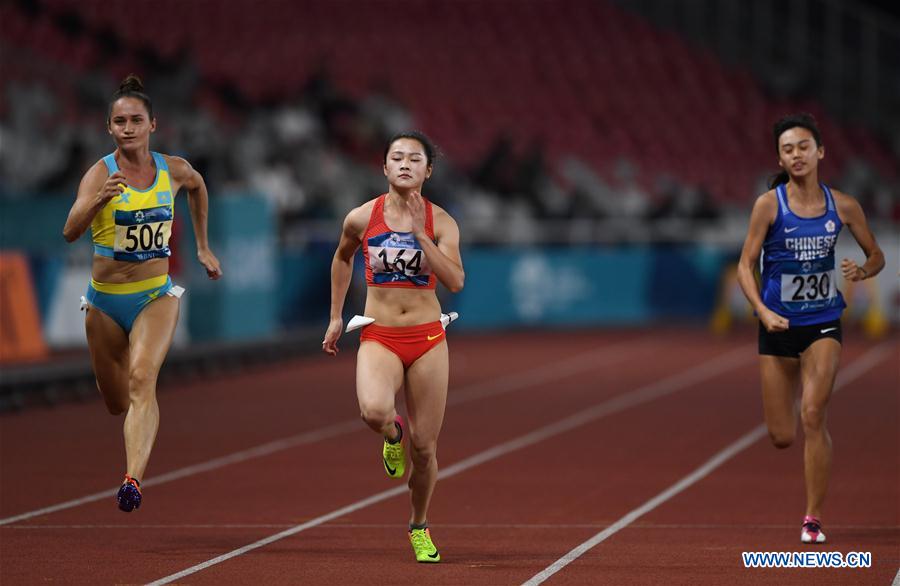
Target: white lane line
point(644, 394)
point(896, 581)
point(593, 359)
point(576, 364)
point(853, 371)
point(444, 526)
point(241, 456)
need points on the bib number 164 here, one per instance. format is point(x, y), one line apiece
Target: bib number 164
point(400, 264)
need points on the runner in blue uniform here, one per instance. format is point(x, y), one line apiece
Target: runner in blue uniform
point(796, 225)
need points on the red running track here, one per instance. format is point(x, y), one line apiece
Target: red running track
point(570, 432)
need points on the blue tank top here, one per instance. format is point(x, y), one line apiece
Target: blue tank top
point(798, 276)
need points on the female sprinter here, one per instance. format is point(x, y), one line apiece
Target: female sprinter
point(127, 198)
point(796, 224)
point(407, 242)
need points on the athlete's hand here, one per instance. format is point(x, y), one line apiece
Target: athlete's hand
point(210, 263)
point(112, 187)
point(852, 271)
point(329, 344)
point(416, 206)
point(773, 322)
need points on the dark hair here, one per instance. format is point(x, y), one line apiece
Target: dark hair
point(131, 87)
point(430, 150)
point(801, 120)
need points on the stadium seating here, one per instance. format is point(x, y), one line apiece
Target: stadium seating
point(583, 76)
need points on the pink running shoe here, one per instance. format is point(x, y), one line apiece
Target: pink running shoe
point(812, 531)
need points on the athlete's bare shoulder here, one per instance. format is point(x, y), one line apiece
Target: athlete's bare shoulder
point(179, 168)
point(98, 169)
point(94, 178)
point(444, 224)
point(848, 207)
point(766, 205)
point(766, 198)
point(842, 199)
point(441, 216)
point(358, 218)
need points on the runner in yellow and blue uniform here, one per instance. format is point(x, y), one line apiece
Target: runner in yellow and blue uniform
point(796, 225)
point(127, 199)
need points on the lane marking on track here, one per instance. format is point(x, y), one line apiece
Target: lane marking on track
point(638, 396)
point(896, 581)
point(851, 372)
point(586, 361)
point(445, 526)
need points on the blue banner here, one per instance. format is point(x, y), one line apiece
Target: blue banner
point(586, 286)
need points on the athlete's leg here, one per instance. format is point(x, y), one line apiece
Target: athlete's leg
point(379, 375)
point(780, 380)
point(151, 336)
point(819, 364)
point(426, 399)
point(108, 344)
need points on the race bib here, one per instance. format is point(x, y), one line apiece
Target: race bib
point(396, 256)
point(142, 234)
point(808, 287)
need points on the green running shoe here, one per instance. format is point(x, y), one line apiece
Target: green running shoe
point(425, 550)
point(393, 455)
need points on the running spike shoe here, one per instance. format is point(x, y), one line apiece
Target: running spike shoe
point(811, 532)
point(129, 496)
point(393, 455)
point(423, 547)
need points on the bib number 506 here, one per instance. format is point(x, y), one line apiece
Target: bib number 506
point(144, 237)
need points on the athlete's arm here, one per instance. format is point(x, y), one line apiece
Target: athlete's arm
point(184, 175)
point(95, 190)
point(762, 216)
point(443, 257)
point(341, 272)
point(852, 215)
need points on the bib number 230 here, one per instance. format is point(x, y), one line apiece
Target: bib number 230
point(811, 287)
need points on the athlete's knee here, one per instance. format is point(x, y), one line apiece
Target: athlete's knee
point(813, 418)
point(376, 417)
point(782, 439)
point(422, 453)
point(141, 385)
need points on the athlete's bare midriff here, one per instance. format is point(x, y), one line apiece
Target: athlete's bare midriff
point(396, 307)
point(110, 270)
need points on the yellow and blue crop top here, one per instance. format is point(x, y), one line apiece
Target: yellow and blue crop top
point(136, 225)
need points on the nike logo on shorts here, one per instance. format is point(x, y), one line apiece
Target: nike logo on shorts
point(789, 230)
point(826, 330)
point(435, 337)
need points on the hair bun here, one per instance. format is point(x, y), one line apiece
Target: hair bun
point(132, 83)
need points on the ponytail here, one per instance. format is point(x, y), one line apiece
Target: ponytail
point(778, 179)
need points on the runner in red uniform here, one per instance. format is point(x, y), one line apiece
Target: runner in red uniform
point(408, 245)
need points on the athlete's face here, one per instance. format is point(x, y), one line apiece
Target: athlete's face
point(130, 124)
point(798, 153)
point(407, 166)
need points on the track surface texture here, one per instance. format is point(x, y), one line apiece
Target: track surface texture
point(587, 457)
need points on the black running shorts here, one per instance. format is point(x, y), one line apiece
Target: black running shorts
point(796, 339)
